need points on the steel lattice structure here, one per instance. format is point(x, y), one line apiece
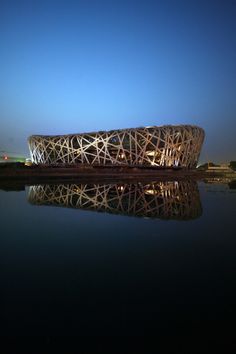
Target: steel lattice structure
point(157, 146)
point(166, 200)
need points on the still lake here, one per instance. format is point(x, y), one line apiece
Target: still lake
point(117, 259)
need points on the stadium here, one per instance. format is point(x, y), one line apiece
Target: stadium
point(165, 146)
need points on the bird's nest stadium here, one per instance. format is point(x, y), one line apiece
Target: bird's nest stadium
point(164, 146)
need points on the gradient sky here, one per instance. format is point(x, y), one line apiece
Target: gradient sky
point(77, 66)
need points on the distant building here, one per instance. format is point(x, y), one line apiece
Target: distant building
point(8, 157)
point(224, 168)
point(165, 146)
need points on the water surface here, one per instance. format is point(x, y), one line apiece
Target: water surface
point(118, 258)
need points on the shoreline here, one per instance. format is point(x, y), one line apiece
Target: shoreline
point(21, 171)
point(19, 175)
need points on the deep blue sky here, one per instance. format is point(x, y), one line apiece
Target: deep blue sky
point(76, 66)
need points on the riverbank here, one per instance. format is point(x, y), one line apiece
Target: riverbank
point(20, 171)
point(44, 173)
point(16, 176)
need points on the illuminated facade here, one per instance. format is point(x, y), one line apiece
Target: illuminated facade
point(164, 146)
point(165, 200)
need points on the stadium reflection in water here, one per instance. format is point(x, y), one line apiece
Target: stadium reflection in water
point(165, 200)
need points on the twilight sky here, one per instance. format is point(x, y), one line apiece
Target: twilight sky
point(76, 66)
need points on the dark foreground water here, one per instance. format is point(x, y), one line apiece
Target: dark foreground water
point(117, 259)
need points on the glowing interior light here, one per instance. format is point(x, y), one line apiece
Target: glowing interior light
point(121, 188)
point(150, 191)
point(150, 153)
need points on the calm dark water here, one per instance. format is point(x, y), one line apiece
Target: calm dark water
point(119, 259)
